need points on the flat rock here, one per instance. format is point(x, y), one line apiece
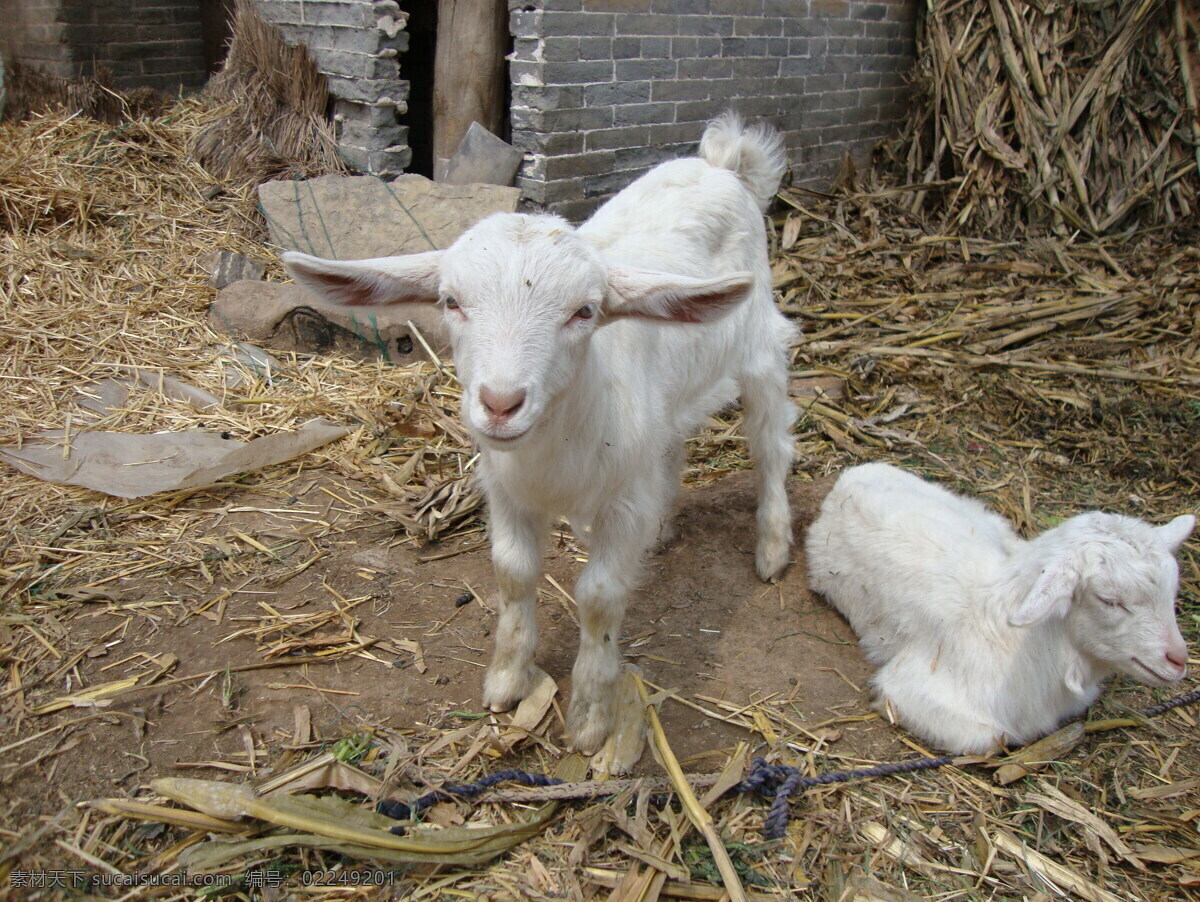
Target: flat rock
point(287, 318)
point(354, 217)
point(227, 267)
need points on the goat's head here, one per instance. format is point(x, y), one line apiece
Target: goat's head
point(1114, 580)
point(522, 296)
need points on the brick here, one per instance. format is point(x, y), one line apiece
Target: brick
point(694, 89)
point(638, 157)
point(584, 24)
point(617, 6)
point(554, 144)
point(612, 138)
point(525, 23)
point(297, 12)
point(744, 7)
point(551, 97)
point(748, 26)
point(706, 25)
point(694, 110)
point(689, 7)
point(626, 47)
point(731, 47)
point(578, 165)
point(641, 70)
point(756, 67)
point(713, 67)
point(578, 73)
point(563, 49)
point(616, 93)
point(579, 119)
point(643, 113)
point(371, 138)
point(646, 24)
point(365, 90)
point(869, 11)
point(679, 132)
point(655, 48)
point(597, 49)
point(607, 184)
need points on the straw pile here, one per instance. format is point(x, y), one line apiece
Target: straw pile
point(1044, 376)
point(275, 123)
point(1069, 116)
point(31, 91)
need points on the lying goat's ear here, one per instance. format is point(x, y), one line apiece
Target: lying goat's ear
point(355, 283)
point(1175, 533)
point(1051, 595)
point(680, 299)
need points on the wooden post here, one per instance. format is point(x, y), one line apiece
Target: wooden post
point(468, 72)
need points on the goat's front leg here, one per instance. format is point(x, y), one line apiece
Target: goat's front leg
point(621, 537)
point(518, 537)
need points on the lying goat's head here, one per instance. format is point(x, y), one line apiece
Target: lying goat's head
point(1115, 581)
point(522, 296)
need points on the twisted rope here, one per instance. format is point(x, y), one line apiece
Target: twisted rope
point(780, 780)
point(403, 811)
point(784, 781)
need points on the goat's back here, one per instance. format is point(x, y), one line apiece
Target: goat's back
point(901, 558)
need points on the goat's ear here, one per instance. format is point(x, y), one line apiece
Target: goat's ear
point(660, 295)
point(1176, 532)
point(1050, 596)
point(355, 283)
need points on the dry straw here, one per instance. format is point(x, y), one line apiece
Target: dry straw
point(275, 120)
point(1047, 376)
point(1075, 116)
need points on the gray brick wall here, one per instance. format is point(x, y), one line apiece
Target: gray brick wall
point(32, 33)
point(357, 46)
point(141, 42)
point(605, 89)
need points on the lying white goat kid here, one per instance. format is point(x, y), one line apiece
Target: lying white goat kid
point(580, 384)
point(981, 637)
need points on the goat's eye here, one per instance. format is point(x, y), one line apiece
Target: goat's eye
point(1113, 603)
point(450, 303)
point(587, 311)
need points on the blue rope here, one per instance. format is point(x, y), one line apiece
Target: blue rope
point(402, 811)
point(779, 780)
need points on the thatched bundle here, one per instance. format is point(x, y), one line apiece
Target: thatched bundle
point(1056, 114)
point(33, 91)
point(276, 123)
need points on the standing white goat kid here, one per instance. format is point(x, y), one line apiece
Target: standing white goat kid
point(581, 386)
point(983, 637)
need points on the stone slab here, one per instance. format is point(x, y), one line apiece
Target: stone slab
point(355, 217)
point(287, 318)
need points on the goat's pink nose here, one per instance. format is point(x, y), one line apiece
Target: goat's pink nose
point(502, 404)
point(1178, 658)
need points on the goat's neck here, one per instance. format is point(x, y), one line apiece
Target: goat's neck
point(1047, 647)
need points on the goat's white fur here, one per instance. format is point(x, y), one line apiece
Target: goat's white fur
point(598, 407)
point(980, 636)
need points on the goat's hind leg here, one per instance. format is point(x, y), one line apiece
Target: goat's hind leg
point(517, 540)
point(621, 537)
point(768, 421)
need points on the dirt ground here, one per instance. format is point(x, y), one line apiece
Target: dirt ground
point(702, 624)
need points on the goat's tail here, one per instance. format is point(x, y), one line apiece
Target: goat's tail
point(755, 153)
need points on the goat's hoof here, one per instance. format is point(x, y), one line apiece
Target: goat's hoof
point(503, 689)
point(771, 558)
point(625, 744)
point(589, 724)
